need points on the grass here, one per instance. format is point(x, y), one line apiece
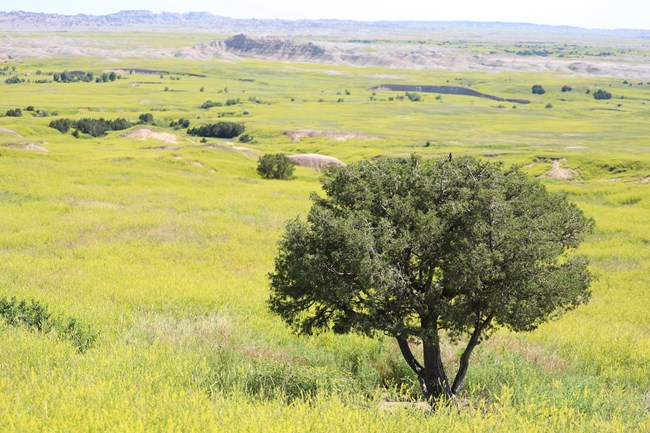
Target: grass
point(164, 253)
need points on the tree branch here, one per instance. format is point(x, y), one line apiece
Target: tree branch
point(479, 327)
point(408, 356)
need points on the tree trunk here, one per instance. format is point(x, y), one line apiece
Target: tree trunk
point(432, 377)
point(474, 340)
point(435, 377)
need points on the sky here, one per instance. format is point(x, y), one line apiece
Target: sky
point(605, 14)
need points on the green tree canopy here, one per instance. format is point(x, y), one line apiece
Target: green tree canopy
point(275, 166)
point(424, 249)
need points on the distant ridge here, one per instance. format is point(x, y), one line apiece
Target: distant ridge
point(205, 21)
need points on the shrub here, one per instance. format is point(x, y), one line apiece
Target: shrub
point(567, 88)
point(209, 104)
point(16, 112)
point(218, 130)
point(538, 90)
point(180, 123)
point(275, 166)
point(36, 316)
point(245, 138)
point(14, 80)
point(602, 94)
point(414, 97)
point(62, 125)
point(146, 118)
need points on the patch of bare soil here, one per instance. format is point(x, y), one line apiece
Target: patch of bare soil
point(244, 150)
point(27, 146)
point(9, 132)
point(557, 172)
point(645, 180)
point(315, 161)
point(146, 133)
point(297, 134)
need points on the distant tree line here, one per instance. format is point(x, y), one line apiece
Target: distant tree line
point(97, 127)
point(87, 77)
point(218, 130)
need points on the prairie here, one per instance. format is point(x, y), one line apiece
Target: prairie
point(163, 249)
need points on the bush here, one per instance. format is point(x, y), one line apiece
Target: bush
point(146, 118)
point(567, 88)
point(209, 104)
point(275, 166)
point(62, 125)
point(602, 94)
point(36, 317)
point(16, 112)
point(218, 130)
point(245, 138)
point(180, 123)
point(14, 80)
point(538, 90)
point(414, 97)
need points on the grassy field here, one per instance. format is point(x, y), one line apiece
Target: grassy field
point(162, 249)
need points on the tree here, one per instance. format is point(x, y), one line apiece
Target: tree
point(422, 250)
point(538, 90)
point(275, 166)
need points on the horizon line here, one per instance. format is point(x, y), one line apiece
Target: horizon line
point(569, 26)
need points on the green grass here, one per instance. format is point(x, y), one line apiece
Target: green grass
point(164, 253)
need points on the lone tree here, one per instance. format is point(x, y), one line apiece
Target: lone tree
point(421, 250)
point(275, 166)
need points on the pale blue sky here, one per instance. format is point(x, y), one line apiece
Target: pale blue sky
point(583, 13)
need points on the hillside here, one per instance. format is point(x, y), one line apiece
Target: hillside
point(135, 247)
